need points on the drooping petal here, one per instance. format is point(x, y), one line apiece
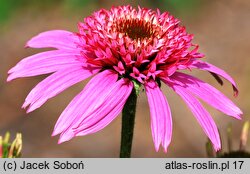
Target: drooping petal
point(161, 119)
point(56, 83)
point(201, 114)
point(207, 93)
point(211, 68)
point(104, 121)
point(86, 101)
point(108, 106)
point(44, 63)
point(60, 39)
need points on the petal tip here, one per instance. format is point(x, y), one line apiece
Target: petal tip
point(30, 109)
point(27, 45)
point(217, 148)
point(11, 70)
point(157, 146)
point(25, 104)
point(165, 145)
point(165, 150)
point(9, 79)
point(239, 117)
point(55, 132)
point(156, 149)
point(238, 114)
point(65, 136)
point(60, 141)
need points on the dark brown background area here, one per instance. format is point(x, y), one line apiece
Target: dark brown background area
point(221, 28)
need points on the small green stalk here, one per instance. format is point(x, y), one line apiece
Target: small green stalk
point(128, 121)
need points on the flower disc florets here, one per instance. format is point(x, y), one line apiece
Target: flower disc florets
point(138, 44)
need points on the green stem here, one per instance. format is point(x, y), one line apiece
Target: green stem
point(128, 121)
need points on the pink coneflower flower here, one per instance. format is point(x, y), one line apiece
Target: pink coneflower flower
point(122, 47)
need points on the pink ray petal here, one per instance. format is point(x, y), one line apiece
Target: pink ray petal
point(109, 105)
point(108, 118)
point(201, 114)
point(207, 93)
point(86, 101)
point(211, 68)
point(60, 39)
point(161, 119)
point(56, 83)
point(44, 63)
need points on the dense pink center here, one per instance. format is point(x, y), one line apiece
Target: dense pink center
point(140, 44)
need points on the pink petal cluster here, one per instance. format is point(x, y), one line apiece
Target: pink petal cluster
point(121, 46)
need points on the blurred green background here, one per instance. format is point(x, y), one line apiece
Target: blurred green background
point(221, 28)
